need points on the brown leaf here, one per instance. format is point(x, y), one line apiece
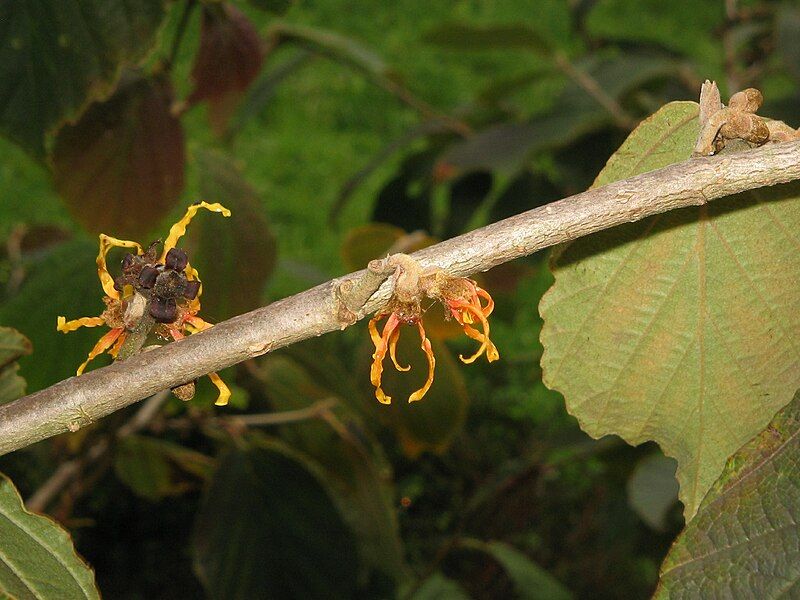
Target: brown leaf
point(229, 58)
point(120, 168)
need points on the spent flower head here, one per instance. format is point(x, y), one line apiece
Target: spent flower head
point(462, 299)
point(156, 291)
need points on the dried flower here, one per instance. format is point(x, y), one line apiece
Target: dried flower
point(463, 300)
point(157, 291)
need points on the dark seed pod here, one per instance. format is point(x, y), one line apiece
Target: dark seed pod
point(147, 277)
point(191, 289)
point(163, 310)
point(176, 259)
point(169, 284)
point(127, 261)
point(184, 392)
point(119, 283)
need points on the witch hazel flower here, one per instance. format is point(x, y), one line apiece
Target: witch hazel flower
point(463, 300)
point(157, 291)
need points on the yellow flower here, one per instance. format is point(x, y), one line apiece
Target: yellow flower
point(158, 291)
point(462, 300)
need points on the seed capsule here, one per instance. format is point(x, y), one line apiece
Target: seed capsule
point(163, 310)
point(147, 277)
point(176, 259)
point(191, 289)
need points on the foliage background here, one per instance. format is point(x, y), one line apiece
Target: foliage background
point(459, 113)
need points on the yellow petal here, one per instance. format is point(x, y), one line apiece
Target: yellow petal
point(103, 344)
point(177, 230)
point(224, 391)
point(393, 350)
point(381, 346)
point(106, 243)
point(196, 324)
point(426, 347)
point(116, 347)
point(67, 326)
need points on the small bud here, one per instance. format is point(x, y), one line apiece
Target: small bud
point(184, 392)
point(176, 259)
point(163, 310)
point(147, 277)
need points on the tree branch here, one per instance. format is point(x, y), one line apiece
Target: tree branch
point(78, 401)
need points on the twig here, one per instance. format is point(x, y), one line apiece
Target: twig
point(78, 401)
point(315, 411)
point(69, 470)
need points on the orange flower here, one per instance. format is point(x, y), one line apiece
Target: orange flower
point(159, 291)
point(462, 299)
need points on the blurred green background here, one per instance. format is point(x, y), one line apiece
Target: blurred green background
point(336, 131)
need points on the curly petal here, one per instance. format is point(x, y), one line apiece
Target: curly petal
point(468, 310)
point(66, 326)
point(224, 391)
point(103, 344)
point(118, 344)
point(106, 243)
point(179, 229)
point(426, 348)
point(393, 350)
point(381, 347)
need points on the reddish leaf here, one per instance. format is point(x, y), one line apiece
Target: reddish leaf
point(120, 168)
point(229, 58)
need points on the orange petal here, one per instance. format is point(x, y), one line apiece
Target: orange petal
point(106, 243)
point(426, 347)
point(176, 333)
point(483, 337)
point(118, 345)
point(179, 228)
point(381, 346)
point(224, 391)
point(103, 344)
point(486, 310)
point(393, 350)
point(197, 324)
point(67, 326)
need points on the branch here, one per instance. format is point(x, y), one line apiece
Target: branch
point(78, 401)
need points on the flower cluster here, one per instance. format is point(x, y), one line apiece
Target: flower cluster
point(463, 300)
point(157, 291)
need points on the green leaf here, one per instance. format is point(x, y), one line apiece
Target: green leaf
point(336, 47)
point(439, 587)
point(664, 23)
point(507, 146)
point(268, 529)
point(788, 38)
point(235, 256)
point(463, 36)
point(665, 329)
point(57, 56)
point(531, 581)
point(653, 489)
point(150, 466)
point(351, 463)
point(12, 345)
point(37, 560)
point(63, 282)
point(744, 541)
point(120, 168)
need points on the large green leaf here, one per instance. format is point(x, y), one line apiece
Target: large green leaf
point(56, 56)
point(669, 328)
point(268, 529)
point(237, 255)
point(531, 581)
point(744, 541)
point(63, 282)
point(37, 560)
point(12, 345)
point(350, 461)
